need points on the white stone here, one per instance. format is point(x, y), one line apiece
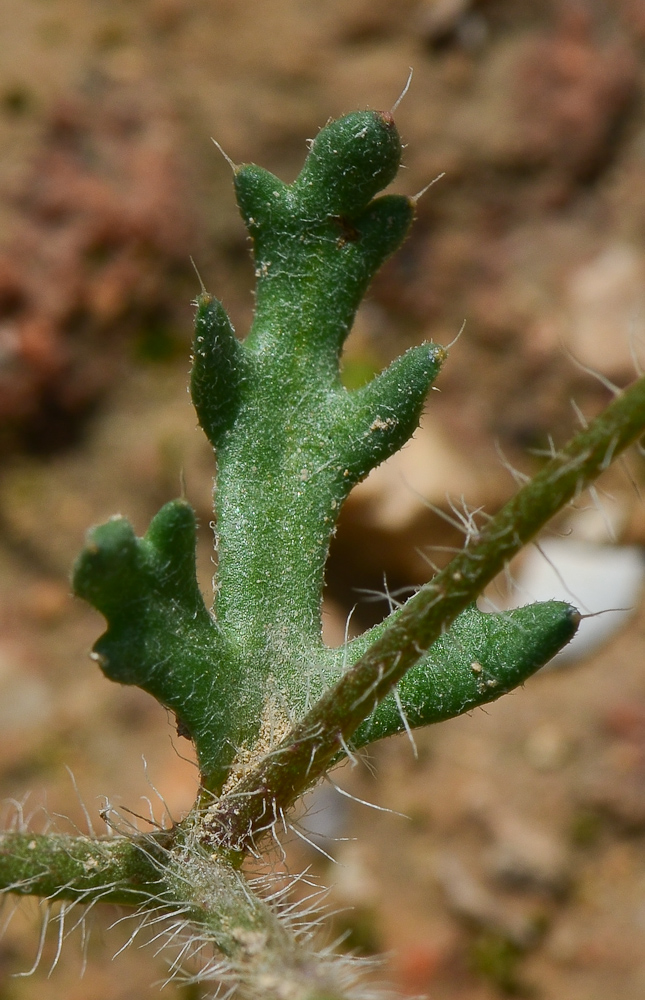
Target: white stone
point(604, 581)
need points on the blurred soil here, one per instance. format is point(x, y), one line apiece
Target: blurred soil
point(520, 868)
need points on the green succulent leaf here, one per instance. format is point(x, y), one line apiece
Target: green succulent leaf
point(350, 161)
point(480, 657)
point(160, 636)
point(219, 370)
point(290, 443)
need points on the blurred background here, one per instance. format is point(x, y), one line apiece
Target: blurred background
point(518, 867)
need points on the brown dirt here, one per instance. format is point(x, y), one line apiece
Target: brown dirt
point(521, 867)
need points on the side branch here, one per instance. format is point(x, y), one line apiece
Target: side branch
point(307, 751)
point(61, 867)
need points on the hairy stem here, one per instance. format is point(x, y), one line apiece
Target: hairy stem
point(62, 867)
point(306, 752)
point(205, 899)
point(257, 948)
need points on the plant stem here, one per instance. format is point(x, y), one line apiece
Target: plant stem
point(306, 752)
point(205, 899)
point(257, 948)
point(82, 869)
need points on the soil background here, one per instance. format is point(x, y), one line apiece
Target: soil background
point(518, 865)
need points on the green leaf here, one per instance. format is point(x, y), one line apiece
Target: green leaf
point(480, 657)
point(219, 370)
point(160, 636)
